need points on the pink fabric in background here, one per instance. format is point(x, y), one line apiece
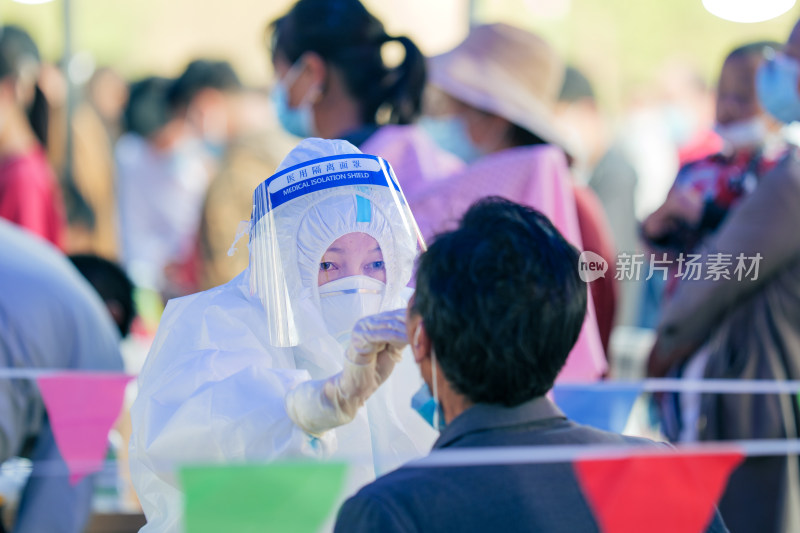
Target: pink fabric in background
point(416, 159)
point(534, 176)
point(82, 407)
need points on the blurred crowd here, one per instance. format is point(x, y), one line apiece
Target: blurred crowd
point(161, 170)
point(145, 183)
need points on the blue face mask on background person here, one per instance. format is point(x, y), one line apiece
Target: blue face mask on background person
point(450, 133)
point(298, 121)
point(776, 85)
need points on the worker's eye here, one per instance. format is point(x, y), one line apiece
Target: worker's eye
point(375, 265)
point(326, 265)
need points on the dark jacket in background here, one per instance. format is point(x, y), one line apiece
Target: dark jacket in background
point(752, 331)
point(507, 498)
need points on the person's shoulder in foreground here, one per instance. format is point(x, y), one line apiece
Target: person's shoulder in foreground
point(508, 498)
point(498, 306)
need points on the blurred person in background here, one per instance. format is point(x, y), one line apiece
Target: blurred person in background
point(204, 97)
point(80, 221)
point(96, 126)
point(208, 98)
point(249, 157)
point(107, 94)
point(50, 318)
point(602, 164)
point(646, 140)
point(29, 191)
point(685, 112)
point(333, 83)
point(748, 326)
point(668, 123)
point(704, 191)
point(688, 109)
point(162, 175)
point(501, 85)
point(256, 143)
point(286, 365)
point(598, 161)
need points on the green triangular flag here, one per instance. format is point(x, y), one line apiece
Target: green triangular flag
point(279, 497)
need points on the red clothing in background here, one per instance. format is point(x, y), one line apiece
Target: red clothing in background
point(29, 195)
point(596, 237)
point(703, 144)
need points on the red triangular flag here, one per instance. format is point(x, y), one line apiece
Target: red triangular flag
point(82, 407)
point(659, 492)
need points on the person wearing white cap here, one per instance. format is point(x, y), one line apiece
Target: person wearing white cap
point(501, 85)
point(265, 367)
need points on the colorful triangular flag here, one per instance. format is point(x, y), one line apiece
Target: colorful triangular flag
point(657, 493)
point(82, 407)
point(279, 498)
point(607, 409)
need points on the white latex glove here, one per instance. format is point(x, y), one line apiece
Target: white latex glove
point(375, 347)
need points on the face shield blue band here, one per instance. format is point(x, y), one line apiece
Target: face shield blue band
point(363, 209)
point(321, 174)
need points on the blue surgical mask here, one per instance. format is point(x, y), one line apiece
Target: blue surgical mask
point(298, 121)
point(450, 133)
point(776, 84)
point(428, 407)
point(425, 403)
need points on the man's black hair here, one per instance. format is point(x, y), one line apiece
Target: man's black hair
point(502, 301)
point(201, 74)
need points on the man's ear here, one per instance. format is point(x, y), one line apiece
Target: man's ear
point(421, 344)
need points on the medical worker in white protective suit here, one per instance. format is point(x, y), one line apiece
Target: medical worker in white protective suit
point(265, 367)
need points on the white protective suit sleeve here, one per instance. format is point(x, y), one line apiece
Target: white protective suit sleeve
point(375, 347)
point(212, 390)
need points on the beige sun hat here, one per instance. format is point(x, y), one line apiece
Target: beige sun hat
point(506, 71)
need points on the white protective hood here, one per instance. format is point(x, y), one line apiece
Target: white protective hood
point(213, 386)
point(322, 191)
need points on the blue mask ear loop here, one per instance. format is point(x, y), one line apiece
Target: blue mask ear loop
point(294, 72)
point(436, 422)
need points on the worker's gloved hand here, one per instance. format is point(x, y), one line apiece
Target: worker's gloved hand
point(375, 347)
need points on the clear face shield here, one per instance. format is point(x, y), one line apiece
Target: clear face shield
point(332, 240)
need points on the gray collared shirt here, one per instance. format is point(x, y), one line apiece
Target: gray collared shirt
point(487, 417)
